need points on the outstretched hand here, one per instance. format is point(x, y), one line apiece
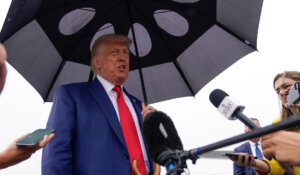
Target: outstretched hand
point(244, 159)
point(15, 154)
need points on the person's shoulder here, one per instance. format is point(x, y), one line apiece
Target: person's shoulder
point(277, 120)
point(241, 147)
point(70, 91)
point(72, 87)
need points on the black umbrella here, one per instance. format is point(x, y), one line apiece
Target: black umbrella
point(178, 46)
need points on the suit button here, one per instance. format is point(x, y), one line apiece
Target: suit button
point(126, 156)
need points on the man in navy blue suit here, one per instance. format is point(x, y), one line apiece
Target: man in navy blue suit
point(252, 147)
point(86, 116)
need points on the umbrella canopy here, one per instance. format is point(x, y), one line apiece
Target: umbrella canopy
point(178, 46)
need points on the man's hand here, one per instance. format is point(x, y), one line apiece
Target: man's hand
point(15, 154)
point(284, 146)
point(146, 110)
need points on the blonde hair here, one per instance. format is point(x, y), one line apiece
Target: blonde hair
point(107, 38)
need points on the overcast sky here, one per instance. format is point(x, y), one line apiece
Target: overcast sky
point(198, 123)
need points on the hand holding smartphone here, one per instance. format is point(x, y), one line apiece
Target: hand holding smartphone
point(235, 156)
point(33, 138)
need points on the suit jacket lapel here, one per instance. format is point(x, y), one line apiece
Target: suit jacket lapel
point(249, 148)
point(98, 93)
point(135, 106)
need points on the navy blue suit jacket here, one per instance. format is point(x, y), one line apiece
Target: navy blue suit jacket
point(243, 170)
point(88, 138)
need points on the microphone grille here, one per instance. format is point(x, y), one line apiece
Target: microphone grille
point(216, 97)
point(160, 134)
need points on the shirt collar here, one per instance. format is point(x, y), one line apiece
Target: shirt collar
point(108, 86)
point(253, 144)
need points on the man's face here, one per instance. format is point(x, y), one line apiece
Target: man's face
point(112, 62)
point(2, 67)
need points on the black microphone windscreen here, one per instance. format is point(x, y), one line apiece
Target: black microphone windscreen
point(217, 96)
point(160, 134)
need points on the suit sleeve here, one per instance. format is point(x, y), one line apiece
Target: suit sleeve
point(57, 155)
point(237, 169)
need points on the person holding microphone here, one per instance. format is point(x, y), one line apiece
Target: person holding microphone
point(281, 148)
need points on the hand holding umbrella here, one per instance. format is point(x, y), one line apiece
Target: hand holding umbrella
point(146, 110)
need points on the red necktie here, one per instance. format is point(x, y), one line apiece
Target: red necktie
point(130, 133)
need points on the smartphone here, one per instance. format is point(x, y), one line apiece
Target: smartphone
point(293, 95)
point(34, 137)
point(235, 156)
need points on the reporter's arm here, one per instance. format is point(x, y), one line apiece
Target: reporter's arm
point(15, 154)
point(260, 166)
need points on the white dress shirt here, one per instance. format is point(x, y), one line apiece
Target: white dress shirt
point(108, 86)
point(252, 146)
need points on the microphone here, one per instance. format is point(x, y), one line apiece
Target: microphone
point(229, 107)
point(163, 142)
point(171, 154)
point(290, 122)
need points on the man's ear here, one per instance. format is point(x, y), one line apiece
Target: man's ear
point(97, 62)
